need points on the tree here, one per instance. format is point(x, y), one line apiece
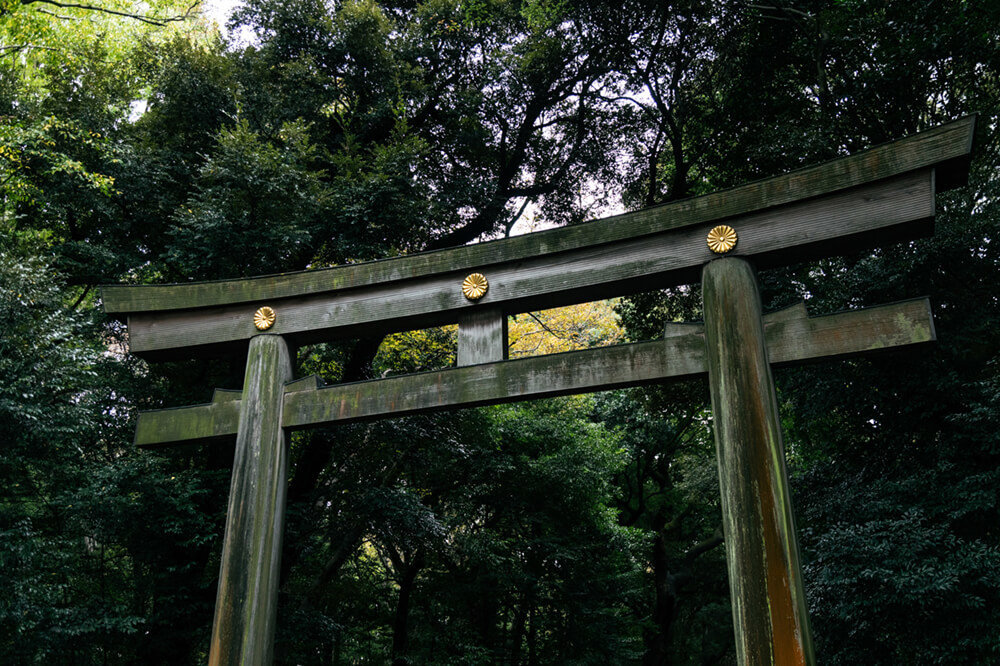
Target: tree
point(92, 534)
point(578, 530)
point(564, 329)
point(40, 36)
point(85, 528)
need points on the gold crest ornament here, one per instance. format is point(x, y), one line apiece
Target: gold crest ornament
point(475, 286)
point(722, 239)
point(264, 318)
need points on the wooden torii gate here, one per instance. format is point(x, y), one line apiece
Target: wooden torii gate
point(885, 194)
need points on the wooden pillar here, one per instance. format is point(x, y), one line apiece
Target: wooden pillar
point(765, 580)
point(247, 600)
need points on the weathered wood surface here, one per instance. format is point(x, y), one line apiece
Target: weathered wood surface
point(247, 600)
point(792, 337)
point(179, 424)
point(494, 383)
point(482, 336)
point(897, 208)
point(946, 147)
point(770, 615)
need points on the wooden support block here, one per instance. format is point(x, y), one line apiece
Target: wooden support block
point(218, 418)
point(310, 383)
point(226, 395)
point(247, 601)
point(482, 336)
point(804, 339)
point(770, 615)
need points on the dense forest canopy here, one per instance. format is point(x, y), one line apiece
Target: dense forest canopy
point(138, 144)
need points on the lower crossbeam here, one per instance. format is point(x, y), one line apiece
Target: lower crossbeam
point(791, 336)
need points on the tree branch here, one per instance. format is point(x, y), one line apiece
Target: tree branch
point(513, 221)
point(675, 522)
point(786, 10)
point(343, 551)
point(151, 20)
point(708, 544)
point(83, 295)
point(58, 16)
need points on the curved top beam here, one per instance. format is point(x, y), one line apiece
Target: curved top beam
point(946, 148)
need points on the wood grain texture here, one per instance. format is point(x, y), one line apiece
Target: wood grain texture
point(946, 147)
point(897, 208)
point(790, 340)
point(494, 383)
point(482, 336)
point(681, 355)
point(188, 424)
point(247, 600)
point(793, 337)
point(770, 614)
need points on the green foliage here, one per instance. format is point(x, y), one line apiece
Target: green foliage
point(570, 531)
point(85, 525)
point(49, 362)
point(36, 149)
point(255, 207)
point(417, 351)
point(901, 549)
point(39, 37)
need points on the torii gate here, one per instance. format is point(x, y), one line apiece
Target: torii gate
point(885, 194)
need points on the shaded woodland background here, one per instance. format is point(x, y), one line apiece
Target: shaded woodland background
point(148, 148)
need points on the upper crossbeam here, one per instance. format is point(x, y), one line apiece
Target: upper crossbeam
point(886, 193)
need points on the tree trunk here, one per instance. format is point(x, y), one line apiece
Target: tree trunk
point(517, 632)
point(401, 619)
point(658, 639)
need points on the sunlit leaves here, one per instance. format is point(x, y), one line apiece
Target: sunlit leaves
point(564, 329)
point(34, 151)
point(37, 36)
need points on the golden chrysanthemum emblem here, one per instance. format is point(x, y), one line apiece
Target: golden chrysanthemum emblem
point(475, 286)
point(722, 239)
point(264, 318)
